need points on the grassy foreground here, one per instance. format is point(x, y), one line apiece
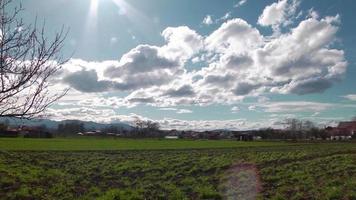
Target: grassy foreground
point(272, 171)
point(90, 143)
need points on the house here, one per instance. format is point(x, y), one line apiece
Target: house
point(344, 131)
point(171, 137)
point(348, 127)
point(242, 136)
point(257, 138)
point(9, 133)
point(190, 135)
point(91, 133)
point(34, 132)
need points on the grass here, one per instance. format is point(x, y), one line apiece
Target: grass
point(88, 143)
point(161, 169)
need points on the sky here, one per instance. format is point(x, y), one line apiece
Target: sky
point(216, 64)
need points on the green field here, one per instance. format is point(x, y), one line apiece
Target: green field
point(161, 169)
point(89, 143)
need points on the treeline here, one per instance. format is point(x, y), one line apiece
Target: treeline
point(294, 130)
point(270, 133)
point(142, 129)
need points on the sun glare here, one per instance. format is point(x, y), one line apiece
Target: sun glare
point(94, 8)
point(137, 19)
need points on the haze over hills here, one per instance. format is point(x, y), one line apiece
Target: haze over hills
point(52, 124)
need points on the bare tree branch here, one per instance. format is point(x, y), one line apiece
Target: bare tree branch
point(28, 60)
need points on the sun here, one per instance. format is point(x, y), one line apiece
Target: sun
point(125, 10)
point(94, 7)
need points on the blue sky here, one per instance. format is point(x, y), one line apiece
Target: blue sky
point(204, 64)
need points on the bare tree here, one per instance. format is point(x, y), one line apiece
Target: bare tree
point(148, 125)
point(152, 126)
point(140, 124)
point(308, 125)
point(28, 60)
point(293, 124)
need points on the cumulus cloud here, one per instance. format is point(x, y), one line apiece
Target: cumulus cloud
point(237, 61)
point(108, 115)
point(235, 35)
point(244, 88)
point(200, 125)
point(208, 20)
point(87, 81)
point(142, 59)
point(278, 14)
point(182, 43)
point(147, 66)
point(82, 113)
point(183, 91)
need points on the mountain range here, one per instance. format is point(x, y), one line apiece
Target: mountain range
point(52, 124)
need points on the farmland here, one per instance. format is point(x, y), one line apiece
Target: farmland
point(161, 169)
point(92, 143)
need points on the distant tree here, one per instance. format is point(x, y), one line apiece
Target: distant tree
point(3, 127)
point(292, 124)
point(265, 133)
point(299, 129)
point(308, 125)
point(152, 126)
point(139, 124)
point(70, 128)
point(113, 129)
point(28, 59)
point(317, 133)
point(146, 128)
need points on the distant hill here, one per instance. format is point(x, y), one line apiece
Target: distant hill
point(51, 124)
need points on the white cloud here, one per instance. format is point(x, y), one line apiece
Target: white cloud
point(225, 17)
point(235, 35)
point(200, 125)
point(106, 115)
point(113, 40)
point(178, 111)
point(313, 14)
point(82, 113)
point(274, 13)
point(278, 14)
point(240, 3)
point(252, 108)
point(182, 43)
point(351, 97)
point(208, 20)
point(238, 61)
point(235, 109)
point(295, 106)
point(263, 99)
point(184, 111)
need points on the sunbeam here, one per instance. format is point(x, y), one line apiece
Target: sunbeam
point(139, 20)
point(93, 14)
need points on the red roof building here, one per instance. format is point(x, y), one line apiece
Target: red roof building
point(345, 130)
